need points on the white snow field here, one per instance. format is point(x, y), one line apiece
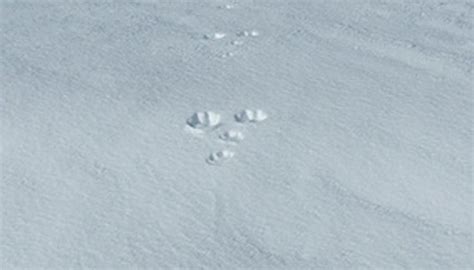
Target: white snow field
point(364, 162)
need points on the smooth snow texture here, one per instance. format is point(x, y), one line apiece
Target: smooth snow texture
point(365, 160)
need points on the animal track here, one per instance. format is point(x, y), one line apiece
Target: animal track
point(252, 33)
point(202, 123)
point(236, 42)
point(243, 34)
point(252, 116)
point(215, 36)
point(234, 136)
point(218, 158)
point(204, 120)
point(228, 54)
point(227, 6)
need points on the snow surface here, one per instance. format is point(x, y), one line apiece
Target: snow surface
point(365, 160)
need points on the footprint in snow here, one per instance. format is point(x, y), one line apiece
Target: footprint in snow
point(237, 42)
point(227, 54)
point(232, 136)
point(201, 122)
point(227, 6)
point(250, 116)
point(215, 36)
point(252, 33)
point(219, 157)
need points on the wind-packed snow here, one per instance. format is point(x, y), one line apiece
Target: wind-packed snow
point(364, 160)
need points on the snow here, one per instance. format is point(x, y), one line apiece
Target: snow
point(365, 160)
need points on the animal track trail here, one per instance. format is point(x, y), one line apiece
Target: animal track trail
point(204, 124)
point(237, 41)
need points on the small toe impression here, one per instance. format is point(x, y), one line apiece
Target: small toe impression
point(218, 158)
